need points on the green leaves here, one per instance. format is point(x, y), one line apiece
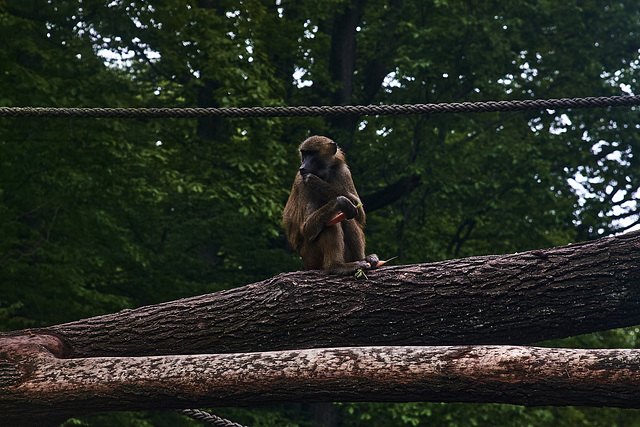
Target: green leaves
point(97, 215)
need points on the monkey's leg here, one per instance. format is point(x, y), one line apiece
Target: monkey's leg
point(354, 243)
point(332, 243)
point(346, 268)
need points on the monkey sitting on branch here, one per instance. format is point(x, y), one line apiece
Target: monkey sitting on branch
point(323, 218)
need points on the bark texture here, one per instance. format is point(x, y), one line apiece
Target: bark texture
point(501, 299)
point(163, 356)
point(517, 375)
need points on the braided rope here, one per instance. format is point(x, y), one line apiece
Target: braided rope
point(324, 111)
point(208, 418)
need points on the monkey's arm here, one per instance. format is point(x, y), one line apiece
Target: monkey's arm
point(319, 189)
point(325, 193)
point(315, 221)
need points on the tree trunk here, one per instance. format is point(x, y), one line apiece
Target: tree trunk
point(500, 299)
point(48, 386)
point(342, 66)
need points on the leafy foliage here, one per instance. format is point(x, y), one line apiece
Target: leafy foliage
point(98, 215)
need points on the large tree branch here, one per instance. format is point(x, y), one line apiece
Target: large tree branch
point(392, 192)
point(498, 299)
point(51, 387)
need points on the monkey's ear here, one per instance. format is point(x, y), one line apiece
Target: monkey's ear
point(334, 147)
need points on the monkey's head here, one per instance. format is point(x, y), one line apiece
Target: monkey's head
point(319, 156)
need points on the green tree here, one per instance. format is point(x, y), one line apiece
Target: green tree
point(98, 215)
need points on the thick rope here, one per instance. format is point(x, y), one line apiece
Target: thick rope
point(324, 111)
point(208, 418)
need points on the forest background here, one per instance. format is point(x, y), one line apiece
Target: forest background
point(97, 215)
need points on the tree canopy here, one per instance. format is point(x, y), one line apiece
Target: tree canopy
point(98, 215)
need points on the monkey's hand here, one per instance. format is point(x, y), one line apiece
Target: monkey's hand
point(309, 178)
point(373, 260)
point(348, 208)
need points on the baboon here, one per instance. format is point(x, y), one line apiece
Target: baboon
point(322, 189)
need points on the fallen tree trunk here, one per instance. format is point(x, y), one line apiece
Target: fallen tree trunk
point(500, 299)
point(51, 387)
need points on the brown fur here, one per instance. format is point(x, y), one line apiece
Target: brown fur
point(318, 195)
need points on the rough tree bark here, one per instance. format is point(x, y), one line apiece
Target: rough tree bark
point(517, 375)
point(499, 299)
point(506, 299)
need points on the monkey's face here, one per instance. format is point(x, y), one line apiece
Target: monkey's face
point(314, 163)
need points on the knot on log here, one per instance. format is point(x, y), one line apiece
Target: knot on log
point(20, 353)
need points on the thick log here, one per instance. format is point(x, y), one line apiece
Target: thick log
point(50, 373)
point(50, 386)
point(500, 299)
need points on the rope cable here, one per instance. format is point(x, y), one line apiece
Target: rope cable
point(324, 111)
point(208, 418)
